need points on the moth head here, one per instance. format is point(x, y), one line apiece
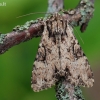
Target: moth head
point(56, 24)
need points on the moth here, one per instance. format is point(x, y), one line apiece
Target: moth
point(59, 56)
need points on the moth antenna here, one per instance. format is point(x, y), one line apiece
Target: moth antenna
point(77, 33)
point(32, 13)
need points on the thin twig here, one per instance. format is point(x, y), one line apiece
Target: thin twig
point(18, 35)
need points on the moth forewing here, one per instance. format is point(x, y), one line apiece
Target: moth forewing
point(60, 55)
point(79, 69)
point(43, 71)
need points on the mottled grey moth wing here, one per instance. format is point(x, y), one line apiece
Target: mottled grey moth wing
point(60, 56)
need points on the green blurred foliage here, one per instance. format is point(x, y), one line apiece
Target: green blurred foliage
point(16, 64)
